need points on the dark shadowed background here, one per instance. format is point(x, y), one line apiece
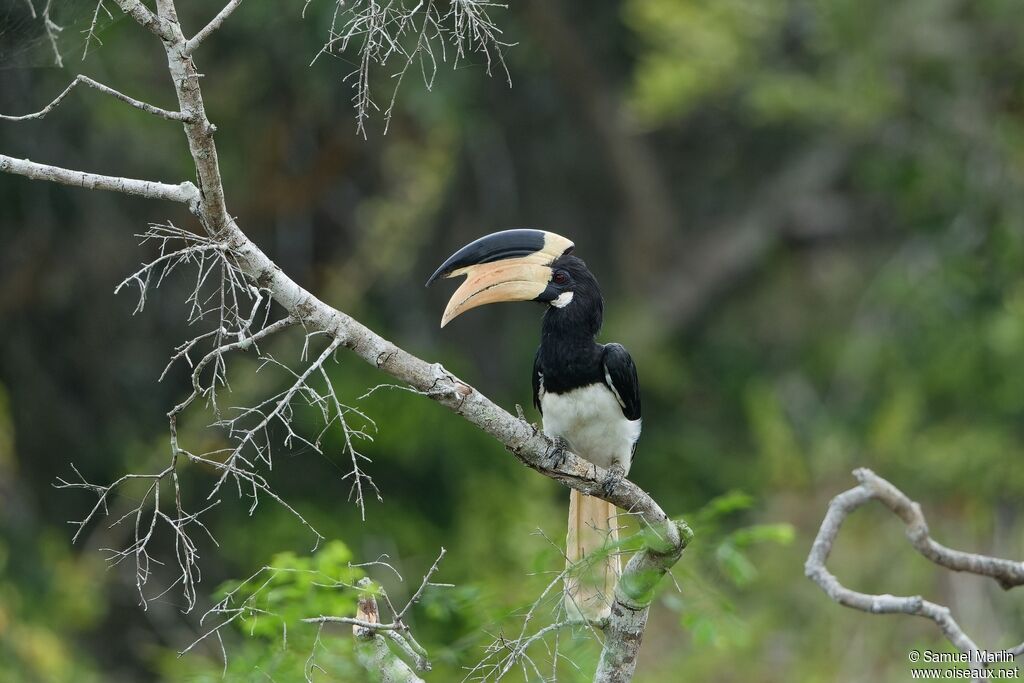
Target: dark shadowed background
point(808, 220)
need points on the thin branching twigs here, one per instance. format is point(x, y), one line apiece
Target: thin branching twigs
point(410, 32)
point(107, 90)
point(246, 601)
point(396, 630)
point(214, 24)
point(505, 653)
point(90, 33)
point(872, 487)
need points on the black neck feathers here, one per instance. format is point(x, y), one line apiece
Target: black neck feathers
point(583, 315)
point(569, 356)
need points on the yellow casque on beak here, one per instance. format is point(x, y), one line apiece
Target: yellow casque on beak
point(512, 265)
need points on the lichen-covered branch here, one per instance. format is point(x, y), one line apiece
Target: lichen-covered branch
point(185, 192)
point(215, 23)
point(157, 25)
point(872, 487)
point(107, 90)
point(633, 596)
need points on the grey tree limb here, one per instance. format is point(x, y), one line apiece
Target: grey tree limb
point(374, 655)
point(185, 193)
point(634, 594)
point(214, 24)
point(138, 104)
point(145, 17)
point(872, 487)
point(52, 31)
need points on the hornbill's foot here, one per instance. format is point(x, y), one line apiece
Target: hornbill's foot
point(557, 455)
point(615, 474)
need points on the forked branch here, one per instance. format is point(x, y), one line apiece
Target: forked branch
point(107, 90)
point(215, 23)
point(368, 626)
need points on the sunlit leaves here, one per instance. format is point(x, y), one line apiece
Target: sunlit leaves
point(294, 587)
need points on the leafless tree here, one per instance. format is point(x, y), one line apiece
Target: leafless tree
point(241, 298)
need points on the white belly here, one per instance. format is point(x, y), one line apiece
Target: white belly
point(590, 419)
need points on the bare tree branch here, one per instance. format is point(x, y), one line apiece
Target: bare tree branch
point(185, 192)
point(373, 653)
point(246, 600)
point(634, 593)
point(52, 31)
point(214, 24)
point(873, 487)
point(367, 625)
point(504, 653)
point(90, 33)
point(157, 25)
point(138, 104)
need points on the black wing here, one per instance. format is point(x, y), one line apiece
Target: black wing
point(537, 379)
point(620, 376)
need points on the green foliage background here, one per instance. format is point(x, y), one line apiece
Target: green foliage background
point(846, 174)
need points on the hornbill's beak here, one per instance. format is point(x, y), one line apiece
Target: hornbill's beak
point(512, 265)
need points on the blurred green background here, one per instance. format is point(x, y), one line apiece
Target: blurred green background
point(808, 220)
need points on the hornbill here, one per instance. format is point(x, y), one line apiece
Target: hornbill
point(587, 393)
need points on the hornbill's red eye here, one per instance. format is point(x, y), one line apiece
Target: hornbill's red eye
point(560, 277)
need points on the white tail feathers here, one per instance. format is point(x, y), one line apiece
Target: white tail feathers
point(591, 546)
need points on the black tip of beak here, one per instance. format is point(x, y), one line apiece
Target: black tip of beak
point(493, 247)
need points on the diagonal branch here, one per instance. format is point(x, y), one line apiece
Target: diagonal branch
point(185, 192)
point(873, 487)
point(138, 104)
point(214, 24)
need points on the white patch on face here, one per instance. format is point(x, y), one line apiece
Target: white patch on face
point(562, 300)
